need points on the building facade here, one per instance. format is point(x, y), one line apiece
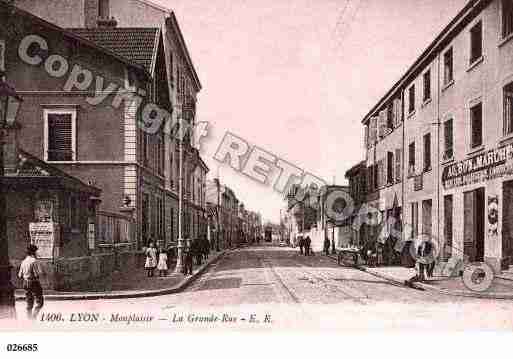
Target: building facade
point(438, 143)
point(158, 201)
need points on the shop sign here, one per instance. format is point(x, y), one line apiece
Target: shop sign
point(45, 235)
point(485, 166)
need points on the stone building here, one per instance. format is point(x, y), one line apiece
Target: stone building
point(438, 143)
point(160, 198)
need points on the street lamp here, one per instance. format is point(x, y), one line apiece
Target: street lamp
point(9, 106)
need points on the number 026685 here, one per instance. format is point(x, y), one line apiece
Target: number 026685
point(22, 348)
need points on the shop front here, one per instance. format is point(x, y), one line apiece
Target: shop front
point(478, 208)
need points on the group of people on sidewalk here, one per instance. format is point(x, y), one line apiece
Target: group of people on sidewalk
point(304, 245)
point(157, 258)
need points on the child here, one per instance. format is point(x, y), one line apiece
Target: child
point(162, 266)
point(151, 259)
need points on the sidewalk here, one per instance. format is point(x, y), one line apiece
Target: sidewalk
point(501, 288)
point(133, 285)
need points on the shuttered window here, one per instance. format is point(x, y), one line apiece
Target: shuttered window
point(508, 109)
point(448, 139)
point(398, 165)
point(507, 18)
point(60, 134)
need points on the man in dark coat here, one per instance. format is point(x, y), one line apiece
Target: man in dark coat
point(188, 249)
point(326, 246)
point(301, 245)
point(308, 242)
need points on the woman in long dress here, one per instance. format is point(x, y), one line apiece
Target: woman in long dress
point(151, 259)
point(162, 265)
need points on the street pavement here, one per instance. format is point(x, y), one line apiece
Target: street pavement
point(297, 292)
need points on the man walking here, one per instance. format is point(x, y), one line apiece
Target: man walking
point(308, 242)
point(29, 273)
point(301, 245)
point(326, 246)
point(189, 256)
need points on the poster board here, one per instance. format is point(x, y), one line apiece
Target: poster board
point(45, 235)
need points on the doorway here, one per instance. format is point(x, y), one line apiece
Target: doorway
point(507, 223)
point(474, 224)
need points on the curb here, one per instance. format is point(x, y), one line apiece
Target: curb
point(427, 287)
point(132, 293)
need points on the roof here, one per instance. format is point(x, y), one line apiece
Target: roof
point(355, 168)
point(137, 44)
point(468, 12)
point(31, 167)
point(70, 35)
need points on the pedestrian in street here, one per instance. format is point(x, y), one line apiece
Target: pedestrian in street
point(151, 259)
point(162, 265)
point(326, 246)
point(308, 242)
point(301, 245)
point(206, 247)
point(189, 256)
point(29, 273)
point(421, 262)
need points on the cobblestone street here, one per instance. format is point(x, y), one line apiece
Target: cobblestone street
point(298, 291)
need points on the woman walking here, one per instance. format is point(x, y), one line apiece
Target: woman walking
point(151, 259)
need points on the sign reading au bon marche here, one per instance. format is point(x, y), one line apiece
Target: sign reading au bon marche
point(482, 167)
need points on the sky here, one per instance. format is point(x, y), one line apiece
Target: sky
point(296, 77)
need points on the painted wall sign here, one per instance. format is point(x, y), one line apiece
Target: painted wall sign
point(485, 166)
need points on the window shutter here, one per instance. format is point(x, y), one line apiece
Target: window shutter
point(60, 137)
point(373, 130)
point(398, 165)
point(366, 137)
point(397, 112)
point(508, 112)
point(382, 121)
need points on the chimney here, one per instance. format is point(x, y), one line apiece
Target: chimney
point(91, 13)
point(10, 152)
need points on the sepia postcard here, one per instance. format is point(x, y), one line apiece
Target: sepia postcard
point(239, 165)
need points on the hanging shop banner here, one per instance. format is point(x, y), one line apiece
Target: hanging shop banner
point(485, 166)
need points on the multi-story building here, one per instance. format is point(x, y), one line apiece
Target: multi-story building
point(357, 178)
point(438, 144)
point(93, 142)
point(159, 194)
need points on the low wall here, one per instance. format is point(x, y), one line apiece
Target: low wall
point(81, 273)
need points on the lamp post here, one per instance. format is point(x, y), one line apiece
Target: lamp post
point(9, 105)
point(179, 254)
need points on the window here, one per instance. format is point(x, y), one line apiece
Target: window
point(390, 116)
point(508, 109)
point(2, 55)
point(448, 140)
point(73, 212)
point(103, 9)
point(476, 42)
point(414, 219)
point(476, 125)
point(145, 148)
point(398, 165)
point(171, 68)
point(427, 86)
point(411, 159)
point(507, 18)
point(130, 80)
point(390, 167)
point(427, 152)
point(448, 67)
point(411, 99)
point(447, 252)
point(160, 154)
point(60, 132)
